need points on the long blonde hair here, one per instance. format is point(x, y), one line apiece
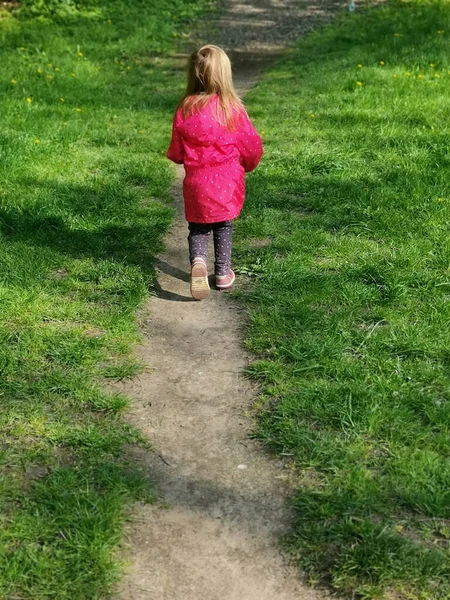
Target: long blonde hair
point(209, 74)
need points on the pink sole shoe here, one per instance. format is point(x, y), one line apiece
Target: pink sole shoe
point(199, 280)
point(226, 281)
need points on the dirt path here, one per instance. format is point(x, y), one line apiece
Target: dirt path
point(215, 533)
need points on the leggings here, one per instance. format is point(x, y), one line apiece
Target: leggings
point(198, 243)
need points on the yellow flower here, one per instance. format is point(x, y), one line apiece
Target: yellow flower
point(408, 74)
point(358, 83)
point(56, 69)
point(37, 141)
point(396, 35)
point(420, 76)
point(399, 528)
point(262, 133)
point(440, 199)
point(440, 31)
point(39, 71)
point(49, 76)
point(359, 66)
point(78, 109)
point(73, 75)
point(437, 75)
point(49, 65)
point(394, 75)
point(312, 116)
point(382, 63)
point(29, 100)
point(22, 48)
point(13, 81)
point(61, 99)
point(432, 65)
point(128, 68)
point(80, 54)
point(108, 20)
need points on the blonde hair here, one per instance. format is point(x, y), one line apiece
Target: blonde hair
point(209, 74)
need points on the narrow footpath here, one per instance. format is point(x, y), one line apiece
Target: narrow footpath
point(215, 533)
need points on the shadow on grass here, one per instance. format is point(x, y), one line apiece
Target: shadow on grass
point(73, 265)
point(130, 233)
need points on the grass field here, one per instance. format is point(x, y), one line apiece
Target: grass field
point(346, 236)
point(87, 93)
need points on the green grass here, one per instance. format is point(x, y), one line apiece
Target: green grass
point(88, 92)
point(350, 309)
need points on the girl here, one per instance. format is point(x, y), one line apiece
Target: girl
point(215, 140)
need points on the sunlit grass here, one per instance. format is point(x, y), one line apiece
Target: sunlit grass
point(350, 308)
point(88, 91)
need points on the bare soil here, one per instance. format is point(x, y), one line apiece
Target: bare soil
point(215, 533)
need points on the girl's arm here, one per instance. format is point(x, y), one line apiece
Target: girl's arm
point(176, 150)
point(248, 143)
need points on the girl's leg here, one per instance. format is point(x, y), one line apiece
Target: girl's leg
point(198, 250)
point(223, 234)
point(198, 240)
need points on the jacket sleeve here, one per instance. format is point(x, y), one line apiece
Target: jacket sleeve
point(175, 151)
point(248, 143)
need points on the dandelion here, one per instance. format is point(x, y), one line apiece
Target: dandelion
point(432, 65)
point(420, 76)
point(382, 63)
point(262, 133)
point(440, 199)
point(78, 109)
point(49, 65)
point(56, 69)
point(358, 83)
point(39, 71)
point(312, 116)
point(61, 99)
point(29, 100)
point(22, 48)
point(73, 75)
point(80, 54)
point(399, 528)
point(13, 81)
point(359, 66)
point(437, 75)
point(408, 74)
point(37, 141)
point(108, 21)
point(394, 75)
point(49, 77)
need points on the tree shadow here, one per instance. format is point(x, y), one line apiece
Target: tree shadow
point(102, 222)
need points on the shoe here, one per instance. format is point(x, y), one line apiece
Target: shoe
point(199, 280)
point(224, 282)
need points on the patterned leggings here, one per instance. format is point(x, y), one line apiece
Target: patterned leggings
point(198, 243)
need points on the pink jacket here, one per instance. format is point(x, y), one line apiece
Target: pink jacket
point(215, 161)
